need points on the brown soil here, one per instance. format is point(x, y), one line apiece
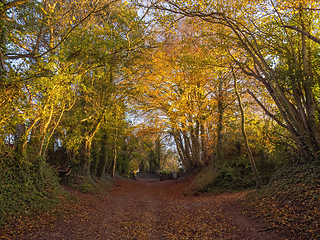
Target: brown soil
point(153, 209)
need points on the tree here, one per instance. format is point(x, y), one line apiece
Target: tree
point(63, 92)
point(178, 94)
point(262, 48)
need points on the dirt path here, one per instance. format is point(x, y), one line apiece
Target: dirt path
point(148, 209)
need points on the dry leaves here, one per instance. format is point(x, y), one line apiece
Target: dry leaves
point(154, 210)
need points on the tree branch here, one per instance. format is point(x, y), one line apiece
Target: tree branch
point(1, 59)
point(32, 54)
point(266, 110)
point(9, 5)
point(313, 38)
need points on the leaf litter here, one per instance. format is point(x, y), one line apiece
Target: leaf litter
point(148, 209)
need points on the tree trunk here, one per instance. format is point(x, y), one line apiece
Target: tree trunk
point(243, 130)
point(85, 155)
point(182, 152)
point(218, 155)
point(204, 143)
point(195, 138)
point(95, 157)
point(103, 158)
point(158, 153)
point(115, 146)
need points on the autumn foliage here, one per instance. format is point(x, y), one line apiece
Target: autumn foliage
point(225, 89)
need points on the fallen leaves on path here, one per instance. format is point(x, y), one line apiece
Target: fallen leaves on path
point(155, 210)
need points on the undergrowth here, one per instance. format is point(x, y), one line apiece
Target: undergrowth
point(27, 189)
point(85, 183)
point(236, 175)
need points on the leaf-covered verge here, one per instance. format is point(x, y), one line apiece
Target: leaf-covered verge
point(34, 197)
point(291, 201)
point(288, 201)
point(29, 193)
